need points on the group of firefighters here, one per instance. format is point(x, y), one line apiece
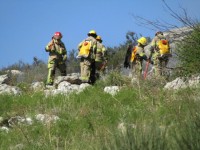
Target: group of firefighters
point(93, 56)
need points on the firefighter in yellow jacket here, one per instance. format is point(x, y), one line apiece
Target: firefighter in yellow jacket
point(87, 51)
point(101, 57)
point(135, 56)
point(160, 59)
point(57, 57)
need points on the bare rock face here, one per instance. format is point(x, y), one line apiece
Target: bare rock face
point(176, 84)
point(177, 34)
point(180, 83)
point(66, 85)
point(66, 88)
point(5, 88)
point(73, 79)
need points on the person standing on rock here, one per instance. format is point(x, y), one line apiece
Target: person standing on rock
point(87, 51)
point(57, 57)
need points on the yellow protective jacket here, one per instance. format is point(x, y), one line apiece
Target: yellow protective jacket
point(101, 54)
point(56, 50)
point(137, 50)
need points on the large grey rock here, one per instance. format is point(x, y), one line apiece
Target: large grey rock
point(73, 79)
point(7, 89)
point(180, 83)
point(177, 34)
point(176, 84)
point(66, 88)
point(83, 86)
point(4, 79)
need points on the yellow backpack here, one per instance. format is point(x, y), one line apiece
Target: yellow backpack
point(85, 49)
point(163, 46)
point(133, 54)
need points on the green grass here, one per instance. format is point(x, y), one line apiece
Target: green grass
point(152, 118)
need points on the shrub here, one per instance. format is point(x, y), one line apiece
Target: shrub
point(188, 53)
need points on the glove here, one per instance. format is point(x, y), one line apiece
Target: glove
point(51, 46)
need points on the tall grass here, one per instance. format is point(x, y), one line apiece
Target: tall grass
point(141, 116)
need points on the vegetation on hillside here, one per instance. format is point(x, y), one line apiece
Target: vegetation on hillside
point(188, 51)
point(141, 116)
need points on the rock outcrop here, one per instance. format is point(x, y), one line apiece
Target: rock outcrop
point(66, 85)
point(7, 89)
point(180, 83)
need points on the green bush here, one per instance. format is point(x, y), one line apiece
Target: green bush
point(188, 53)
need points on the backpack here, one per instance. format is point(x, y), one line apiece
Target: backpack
point(85, 49)
point(133, 54)
point(163, 46)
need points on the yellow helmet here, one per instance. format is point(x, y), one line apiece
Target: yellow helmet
point(142, 40)
point(98, 38)
point(92, 32)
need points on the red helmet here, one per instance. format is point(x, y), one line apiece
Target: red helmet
point(57, 35)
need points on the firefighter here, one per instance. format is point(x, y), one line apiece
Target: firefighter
point(57, 57)
point(160, 52)
point(139, 56)
point(135, 56)
point(87, 51)
point(100, 58)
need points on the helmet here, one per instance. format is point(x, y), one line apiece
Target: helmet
point(98, 38)
point(159, 32)
point(57, 35)
point(92, 32)
point(142, 40)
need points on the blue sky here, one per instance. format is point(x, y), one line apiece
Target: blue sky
point(26, 26)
